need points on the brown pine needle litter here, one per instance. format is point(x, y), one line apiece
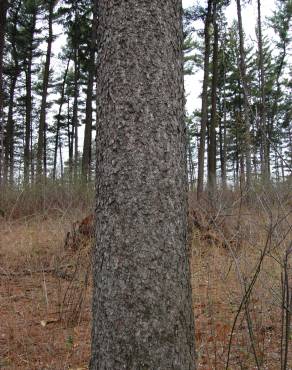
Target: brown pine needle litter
point(241, 272)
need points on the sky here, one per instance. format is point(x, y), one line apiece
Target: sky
point(193, 84)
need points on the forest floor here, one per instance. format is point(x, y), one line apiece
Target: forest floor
point(238, 256)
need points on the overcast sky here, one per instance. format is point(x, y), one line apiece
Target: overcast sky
point(193, 84)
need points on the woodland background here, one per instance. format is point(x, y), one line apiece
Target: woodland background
point(239, 157)
point(242, 131)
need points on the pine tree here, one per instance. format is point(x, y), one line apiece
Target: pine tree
point(86, 157)
point(243, 77)
point(60, 118)
point(263, 111)
point(13, 71)
point(213, 121)
point(30, 41)
point(3, 10)
point(41, 146)
point(142, 307)
point(204, 109)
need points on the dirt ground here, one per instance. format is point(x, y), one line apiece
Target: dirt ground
point(45, 298)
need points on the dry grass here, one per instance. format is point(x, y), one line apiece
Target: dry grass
point(223, 269)
point(35, 296)
point(45, 310)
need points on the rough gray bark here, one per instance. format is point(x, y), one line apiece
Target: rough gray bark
point(204, 109)
point(142, 311)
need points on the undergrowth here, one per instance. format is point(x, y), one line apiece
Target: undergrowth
point(50, 198)
point(240, 248)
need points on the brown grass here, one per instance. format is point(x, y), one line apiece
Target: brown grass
point(45, 310)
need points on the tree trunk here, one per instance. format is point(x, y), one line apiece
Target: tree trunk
point(242, 68)
point(9, 138)
point(86, 158)
point(142, 309)
point(41, 155)
point(191, 171)
point(263, 124)
point(275, 105)
point(70, 134)
point(28, 109)
point(223, 139)
point(58, 124)
point(28, 103)
point(3, 10)
point(75, 109)
point(222, 146)
point(212, 130)
point(61, 160)
point(14, 73)
point(204, 109)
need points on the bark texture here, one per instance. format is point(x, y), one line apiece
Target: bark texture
point(142, 311)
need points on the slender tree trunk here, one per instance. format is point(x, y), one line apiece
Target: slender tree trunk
point(263, 123)
point(254, 151)
point(204, 109)
point(58, 124)
point(32, 157)
point(61, 160)
point(41, 155)
point(280, 65)
point(242, 171)
point(28, 109)
point(28, 103)
point(142, 309)
point(75, 109)
point(212, 131)
point(277, 167)
point(9, 138)
point(191, 171)
point(70, 134)
point(86, 157)
point(3, 10)
point(237, 152)
point(223, 148)
point(282, 167)
point(222, 137)
point(242, 68)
